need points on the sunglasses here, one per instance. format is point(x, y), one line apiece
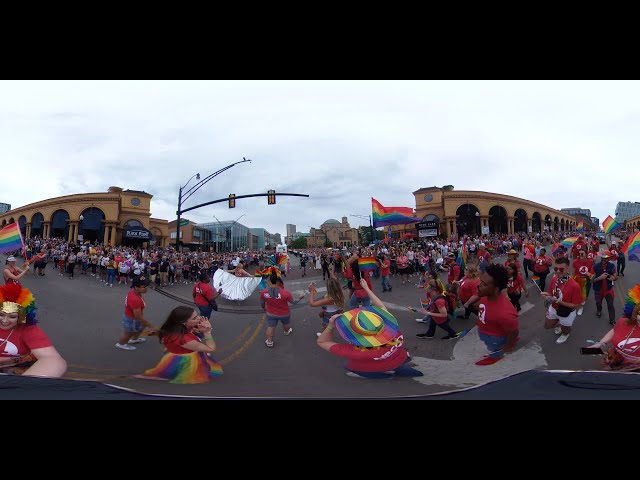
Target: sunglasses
point(559, 269)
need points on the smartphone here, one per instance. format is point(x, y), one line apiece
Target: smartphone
point(591, 351)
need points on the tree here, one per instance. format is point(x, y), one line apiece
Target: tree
point(300, 242)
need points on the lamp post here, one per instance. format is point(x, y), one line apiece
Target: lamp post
point(184, 196)
point(365, 217)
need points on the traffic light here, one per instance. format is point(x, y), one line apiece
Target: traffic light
point(232, 200)
point(271, 197)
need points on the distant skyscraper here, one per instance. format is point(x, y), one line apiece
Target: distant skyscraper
point(626, 210)
point(5, 207)
point(291, 230)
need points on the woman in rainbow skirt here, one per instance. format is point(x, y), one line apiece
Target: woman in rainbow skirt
point(187, 359)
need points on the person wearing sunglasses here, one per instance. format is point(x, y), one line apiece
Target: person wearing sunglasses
point(566, 296)
point(605, 275)
point(582, 274)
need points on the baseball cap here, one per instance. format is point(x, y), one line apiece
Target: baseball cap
point(11, 259)
point(140, 281)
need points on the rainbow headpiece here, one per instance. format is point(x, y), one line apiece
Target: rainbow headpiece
point(633, 298)
point(14, 298)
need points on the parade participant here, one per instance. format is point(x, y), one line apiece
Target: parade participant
point(133, 321)
point(515, 286)
point(275, 301)
point(512, 259)
point(579, 246)
point(453, 273)
point(484, 258)
point(582, 273)
point(187, 359)
point(375, 344)
point(541, 267)
point(604, 276)
point(614, 254)
point(240, 272)
point(622, 343)
point(621, 262)
point(565, 296)
point(332, 303)
point(497, 318)
point(468, 290)
point(385, 272)
point(402, 263)
point(595, 245)
point(352, 272)
point(25, 348)
point(204, 295)
point(529, 255)
point(13, 274)
point(39, 263)
point(437, 311)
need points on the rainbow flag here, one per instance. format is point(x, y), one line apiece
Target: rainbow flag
point(10, 238)
point(580, 226)
point(632, 247)
point(568, 242)
point(610, 225)
point(367, 263)
point(556, 249)
point(462, 257)
point(383, 216)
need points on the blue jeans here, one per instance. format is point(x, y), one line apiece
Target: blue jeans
point(111, 275)
point(205, 311)
point(353, 302)
point(494, 344)
point(385, 283)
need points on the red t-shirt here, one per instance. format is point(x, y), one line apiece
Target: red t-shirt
point(133, 302)
point(570, 292)
point(378, 359)
point(277, 306)
point(201, 289)
point(614, 254)
point(468, 288)
point(626, 340)
point(434, 307)
point(23, 340)
point(385, 268)
point(591, 255)
point(454, 273)
point(497, 317)
point(542, 264)
point(584, 268)
point(515, 286)
point(174, 343)
point(484, 255)
point(577, 247)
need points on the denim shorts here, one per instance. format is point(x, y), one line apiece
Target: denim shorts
point(272, 320)
point(131, 324)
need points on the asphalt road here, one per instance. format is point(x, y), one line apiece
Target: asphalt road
point(82, 317)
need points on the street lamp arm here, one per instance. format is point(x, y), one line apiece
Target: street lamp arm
point(202, 182)
point(185, 185)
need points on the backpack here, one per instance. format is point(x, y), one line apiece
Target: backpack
point(448, 302)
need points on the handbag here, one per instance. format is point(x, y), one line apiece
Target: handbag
point(563, 311)
point(212, 303)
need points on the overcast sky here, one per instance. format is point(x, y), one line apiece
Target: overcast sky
point(562, 144)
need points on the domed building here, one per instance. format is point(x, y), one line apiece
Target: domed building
point(115, 217)
point(338, 234)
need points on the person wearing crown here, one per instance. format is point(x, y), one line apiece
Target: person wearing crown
point(24, 347)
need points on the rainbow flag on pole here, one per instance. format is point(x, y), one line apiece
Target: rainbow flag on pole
point(383, 216)
point(10, 238)
point(610, 225)
point(632, 247)
point(568, 242)
point(580, 226)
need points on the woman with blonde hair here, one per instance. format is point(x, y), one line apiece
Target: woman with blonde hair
point(468, 289)
point(332, 303)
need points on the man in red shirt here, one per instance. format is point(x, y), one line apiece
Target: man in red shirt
point(582, 273)
point(453, 274)
point(578, 247)
point(497, 317)
point(204, 295)
point(565, 296)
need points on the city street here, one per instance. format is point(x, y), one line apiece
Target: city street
point(82, 317)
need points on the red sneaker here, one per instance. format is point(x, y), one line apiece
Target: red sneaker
point(488, 361)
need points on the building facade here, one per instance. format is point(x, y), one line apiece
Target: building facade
point(627, 210)
point(262, 239)
point(577, 211)
point(333, 232)
point(291, 230)
point(476, 213)
point(596, 222)
point(114, 217)
point(228, 236)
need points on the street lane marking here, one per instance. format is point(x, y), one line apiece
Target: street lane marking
point(247, 343)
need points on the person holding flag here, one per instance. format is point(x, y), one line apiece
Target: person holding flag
point(605, 275)
point(13, 274)
point(582, 274)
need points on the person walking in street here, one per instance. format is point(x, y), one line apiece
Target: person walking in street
point(622, 261)
point(204, 295)
point(605, 275)
point(332, 303)
point(275, 300)
point(582, 274)
point(541, 268)
point(565, 296)
point(515, 286)
point(133, 321)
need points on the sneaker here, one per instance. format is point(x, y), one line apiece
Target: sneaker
point(137, 340)
point(268, 343)
point(353, 374)
point(125, 347)
point(424, 335)
point(422, 320)
point(488, 361)
point(557, 331)
point(580, 310)
point(289, 331)
point(318, 334)
point(451, 337)
point(562, 338)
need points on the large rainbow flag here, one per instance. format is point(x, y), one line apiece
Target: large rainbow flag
point(10, 238)
point(610, 225)
point(383, 216)
point(632, 247)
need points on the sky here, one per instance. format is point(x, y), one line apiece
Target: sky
point(560, 143)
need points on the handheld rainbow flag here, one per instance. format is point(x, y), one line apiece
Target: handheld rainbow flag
point(462, 256)
point(10, 238)
point(367, 263)
point(536, 280)
point(555, 250)
point(632, 247)
point(580, 226)
point(383, 216)
point(568, 242)
point(610, 225)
